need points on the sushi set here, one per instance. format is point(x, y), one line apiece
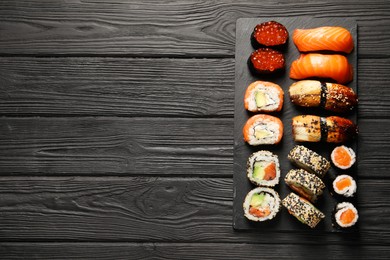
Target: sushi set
point(295, 125)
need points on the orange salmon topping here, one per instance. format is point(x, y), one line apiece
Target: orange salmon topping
point(343, 183)
point(270, 172)
point(342, 156)
point(260, 213)
point(347, 216)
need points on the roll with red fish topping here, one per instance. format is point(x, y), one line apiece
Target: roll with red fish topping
point(263, 96)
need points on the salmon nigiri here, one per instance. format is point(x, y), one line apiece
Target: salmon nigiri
point(333, 66)
point(326, 38)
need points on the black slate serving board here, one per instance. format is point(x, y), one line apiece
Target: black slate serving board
point(243, 77)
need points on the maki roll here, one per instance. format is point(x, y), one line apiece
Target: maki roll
point(263, 129)
point(263, 169)
point(263, 96)
point(309, 160)
point(344, 185)
point(346, 215)
point(343, 157)
point(261, 204)
point(303, 210)
point(305, 184)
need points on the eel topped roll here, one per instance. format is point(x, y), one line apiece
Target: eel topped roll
point(263, 129)
point(346, 215)
point(263, 168)
point(261, 204)
point(263, 96)
point(305, 184)
point(303, 210)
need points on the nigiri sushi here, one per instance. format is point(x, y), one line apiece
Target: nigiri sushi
point(330, 96)
point(263, 129)
point(333, 66)
point(332, 129)
point(263, 96)
point(326, 38)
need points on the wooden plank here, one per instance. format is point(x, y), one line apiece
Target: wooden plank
point(147, 87)
point(173, 28)
point(123, 146)
point(147, 146)
point(124, 87)
point(56, 251)
point(157, 209)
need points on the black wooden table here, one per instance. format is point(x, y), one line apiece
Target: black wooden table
point(116, 134)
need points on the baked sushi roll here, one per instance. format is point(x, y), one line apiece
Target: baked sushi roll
point(263, 169)
point(344, 185)
point(303, 210)
point(345, 215)
point(263, 96)
point(343, 157)
point(305, 184)
point(330, 96)
point(263, 129)
point(309, 160)
point(261, 204)
point(332, 129)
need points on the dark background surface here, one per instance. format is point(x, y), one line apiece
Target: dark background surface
point(116, 133)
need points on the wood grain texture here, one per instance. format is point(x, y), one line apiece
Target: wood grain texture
point(147, 146)
point(147, 87)
point(174, 28)
point(109, 86)
point(186, 251)
point(120, 146)
point(157, 209)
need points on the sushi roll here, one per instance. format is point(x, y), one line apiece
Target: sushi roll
point(303, 210)
point(263, 96)
point(309, 160)
point(263, 129)
point(263, 169)
point(344, 185)
point(343, 157)
point(261, 204)
point(305, 184)
point(346, 215)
